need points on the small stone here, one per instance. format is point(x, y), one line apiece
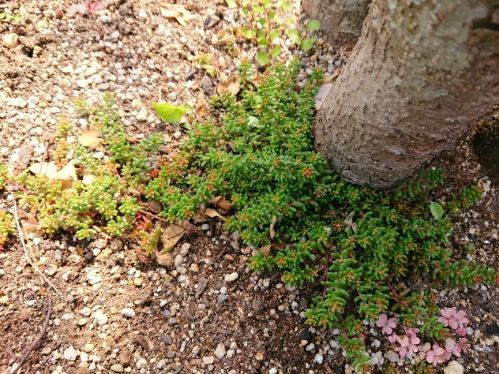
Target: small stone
point(117, 368)
point(184, 249)
point(392, 356)
point(86, 311)
point(222, 298)
point(167, 339)
point(178, 260)
point(100, 317)
point(142, 15)
point(454, 367)
point(18, 102)
point(231, 277)
point(208, 360)
point(141, 363)
point(141, 115)
point(220, 351)
point(376, 343)
point(93, 278)
point(82, 83)
point(138, 282)
point(10, 40)
point(82, 322)
point(89, 347)
point(128, 312)
point(4, 299)
point(259, 356)
point(66, 68)
point(161, 364)
point(194, 268)
point(70, 354)
point(319, 358)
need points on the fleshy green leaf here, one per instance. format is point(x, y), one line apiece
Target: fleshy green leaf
point(313, 25)
point(294, 35)
point(248, 33)
point(169, 112)
point(436, 210)
point(276, 51)
point(286, 5)
point(263, 42)
point(262, 58)
point(307, 44)
point(274, 34)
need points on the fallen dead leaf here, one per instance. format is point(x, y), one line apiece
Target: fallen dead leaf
point(176, 12)
point(47, 169)
point(212, 213)
point(68, 174)
point(266, 249)
point(171, 235)
point(221, 202)
point(233, 88)
point(230, 85)
point(199, 218)
point(90, 138)
point(202, 109)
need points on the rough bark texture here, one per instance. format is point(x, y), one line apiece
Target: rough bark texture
point(341, 20)
point(419, 74)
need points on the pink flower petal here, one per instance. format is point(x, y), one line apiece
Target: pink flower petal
point(382, 320)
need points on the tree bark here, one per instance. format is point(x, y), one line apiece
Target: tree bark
point(419, 74)
point(341, 20)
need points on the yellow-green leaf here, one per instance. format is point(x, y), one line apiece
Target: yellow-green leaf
point(169, 112)
point(313, 25)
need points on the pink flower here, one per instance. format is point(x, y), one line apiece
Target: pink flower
point(437, 355)
point(392, 338)
point(453, 318)
point(461, 331)
point(463, 344)
point(408, 343)
point(456, 348)
point(387, 325)
point(452, 348)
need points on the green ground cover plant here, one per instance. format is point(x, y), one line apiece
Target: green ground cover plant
point(363, 253)
point(366, 249)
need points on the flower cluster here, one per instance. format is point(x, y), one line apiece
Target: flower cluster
point(455, 319)
point(407, 345)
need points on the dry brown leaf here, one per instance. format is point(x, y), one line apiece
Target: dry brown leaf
point(47, 169)
point(221, 202)
point(199, 218)
point(68, 174)
point(271, 229)
point(171, 235)
point(266, 249)
point(202, 109)
point(90, 138)
point(176, 12)
point(212, 213)
point(233, 88)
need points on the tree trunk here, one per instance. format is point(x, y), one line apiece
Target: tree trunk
point(341, 20)
point(419, 74)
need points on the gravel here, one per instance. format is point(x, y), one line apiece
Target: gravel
point(231, 277)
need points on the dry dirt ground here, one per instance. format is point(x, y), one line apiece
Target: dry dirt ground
point(117, 313)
